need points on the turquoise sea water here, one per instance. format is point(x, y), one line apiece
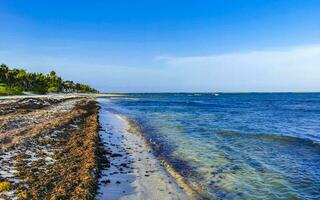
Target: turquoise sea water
point(235, 146)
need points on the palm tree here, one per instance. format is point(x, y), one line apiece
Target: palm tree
point(3, 71)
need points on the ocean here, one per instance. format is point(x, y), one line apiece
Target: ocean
point(233, 146)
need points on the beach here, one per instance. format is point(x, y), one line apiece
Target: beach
point(65, 146)
point(134, 173)
point(159, 146)
point(227, 146)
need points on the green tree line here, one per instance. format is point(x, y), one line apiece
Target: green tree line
point(16, 81)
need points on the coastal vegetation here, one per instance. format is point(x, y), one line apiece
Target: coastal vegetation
point(16, 81)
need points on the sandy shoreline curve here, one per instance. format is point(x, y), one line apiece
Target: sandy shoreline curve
point(135, 173)
point(54, 123)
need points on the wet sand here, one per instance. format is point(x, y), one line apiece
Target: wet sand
point(135, 173)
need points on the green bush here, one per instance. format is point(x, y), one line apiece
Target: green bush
point(53, 90)
point(3, 90)
point(15, 91)
point(38, 89)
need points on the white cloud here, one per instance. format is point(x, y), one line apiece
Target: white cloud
point(271, 56)
point(290, 69)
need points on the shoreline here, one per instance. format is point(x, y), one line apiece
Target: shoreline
point(192, 191)
point(135, 173)
point(47, 120)
point(61, 95)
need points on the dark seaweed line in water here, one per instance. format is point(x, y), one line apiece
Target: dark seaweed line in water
point(184, 173)
point(248, 146)
point(180, 170)
point(275, 137)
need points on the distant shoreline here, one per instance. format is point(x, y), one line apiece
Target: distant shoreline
point(61, 95)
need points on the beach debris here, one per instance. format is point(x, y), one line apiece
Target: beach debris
point(49, 148)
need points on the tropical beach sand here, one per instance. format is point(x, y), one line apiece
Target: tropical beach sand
point(50, 149)
point(135, 173)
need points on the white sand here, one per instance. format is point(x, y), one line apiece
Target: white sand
point(144, 177)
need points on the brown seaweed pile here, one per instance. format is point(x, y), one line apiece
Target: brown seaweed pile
point(49, 148)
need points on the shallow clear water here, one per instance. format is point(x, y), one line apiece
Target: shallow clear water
point(236, 146)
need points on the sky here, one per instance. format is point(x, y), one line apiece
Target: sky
point(167, 45)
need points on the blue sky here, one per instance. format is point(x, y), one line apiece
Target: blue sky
point(167, 46)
